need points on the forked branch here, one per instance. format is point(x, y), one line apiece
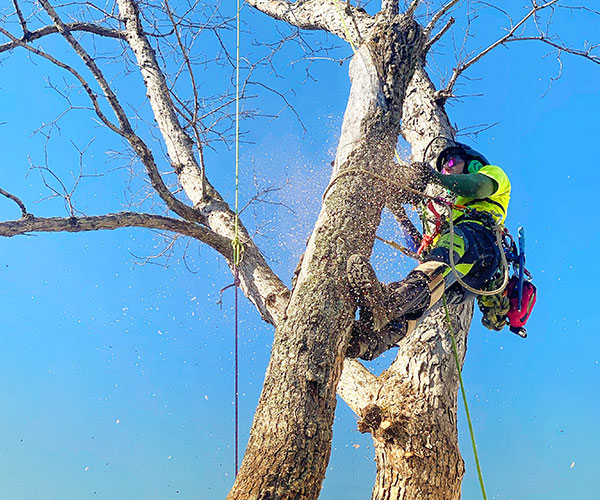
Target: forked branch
point(438, 15)
point(124, 127)
point(434, 39)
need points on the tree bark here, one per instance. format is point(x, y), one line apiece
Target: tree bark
point(413, 417)
point(290, 439)
point(410, 409)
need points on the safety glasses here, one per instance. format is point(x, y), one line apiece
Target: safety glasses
point(451, 161)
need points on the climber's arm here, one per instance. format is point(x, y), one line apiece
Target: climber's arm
point(468, 185)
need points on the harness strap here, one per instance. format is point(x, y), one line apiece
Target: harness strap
point(484, 218)
point(487, 200)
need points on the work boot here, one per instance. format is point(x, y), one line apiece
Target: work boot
point(367, 344)
point(418, 292)
point(367, 290)
point(409, 298)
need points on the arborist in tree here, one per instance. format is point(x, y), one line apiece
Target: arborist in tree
point(390, 312)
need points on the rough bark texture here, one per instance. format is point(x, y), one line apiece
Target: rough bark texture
point(290, 438)
point(413, 419)
point(411, 408)
point(319, 15)
point(419, 390)
point(425, 117)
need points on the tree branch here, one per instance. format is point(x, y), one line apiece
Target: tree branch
point(92, 95)
point(462, 67)
point(125, 129)
point(179, 145)
point(412, 7)
point(49, 30)
point(562, 48)
point(358, 387)
point(194, 118)
point(22, 20)
point(436, 38)
point(438, 15)
point(30, 223)
point(92, 66)
point(318, 15)
point(266, 296)
point(16, 200)
point(259, 282)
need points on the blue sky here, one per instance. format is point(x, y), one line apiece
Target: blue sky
point(117, 378)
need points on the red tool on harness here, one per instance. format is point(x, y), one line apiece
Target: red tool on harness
point(519, 311)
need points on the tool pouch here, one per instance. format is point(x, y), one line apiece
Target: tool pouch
point(519, 313)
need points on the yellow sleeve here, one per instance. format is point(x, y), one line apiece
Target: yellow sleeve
point(497, 174)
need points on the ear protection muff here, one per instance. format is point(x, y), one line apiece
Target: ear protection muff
point(474, 166)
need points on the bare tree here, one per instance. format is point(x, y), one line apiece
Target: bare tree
point(410, 409)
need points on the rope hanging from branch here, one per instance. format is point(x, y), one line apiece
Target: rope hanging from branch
point(237, 245)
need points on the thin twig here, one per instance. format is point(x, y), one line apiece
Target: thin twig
point(462, 67)
point(92, 95)
point(17, 200)
point(438, 15)
point(125, 129)
point(288, 105)
point(439, 34)
point(586, 54)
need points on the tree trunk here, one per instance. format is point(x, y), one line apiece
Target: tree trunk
point(411, 408)
point(290, 440)
point(413, 417)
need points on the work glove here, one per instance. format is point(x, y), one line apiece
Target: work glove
point(421, 174)
point(415, 177)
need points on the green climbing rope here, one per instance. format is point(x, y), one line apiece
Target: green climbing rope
point(464, 397)
point(237, 245)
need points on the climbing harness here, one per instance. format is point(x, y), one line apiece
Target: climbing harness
point(498, 230)
point(428, 239)
point(513, 305)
